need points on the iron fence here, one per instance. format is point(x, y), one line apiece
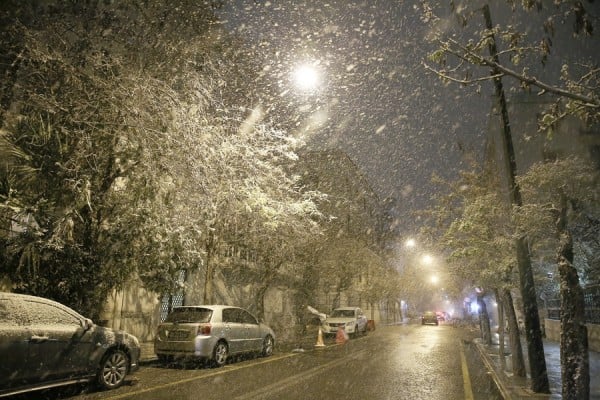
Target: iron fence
point(591, 299)
point(171, 300)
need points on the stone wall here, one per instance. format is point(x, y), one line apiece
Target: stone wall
point(552, 328)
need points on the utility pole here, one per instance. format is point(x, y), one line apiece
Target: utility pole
point(533, 332)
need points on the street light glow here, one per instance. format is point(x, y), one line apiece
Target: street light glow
point(410, 243)
point(427, 259)
point(306, 77)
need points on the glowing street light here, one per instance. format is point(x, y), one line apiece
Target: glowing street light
point(427, 259)
point(306, 77)
point(410, 243)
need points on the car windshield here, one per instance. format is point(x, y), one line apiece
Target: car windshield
point(189, 315)
point(342, 313)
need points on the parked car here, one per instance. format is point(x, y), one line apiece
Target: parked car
point(429, 317)
point(211, 333)
point(351, 319)
point(442, 316)
point(45, 344)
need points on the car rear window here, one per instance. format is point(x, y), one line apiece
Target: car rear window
point(188, 315)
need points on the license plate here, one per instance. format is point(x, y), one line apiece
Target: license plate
point(178, 335)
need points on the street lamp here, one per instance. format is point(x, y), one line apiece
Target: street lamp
point(410, 243)
point(306, 77)
point(427, 259)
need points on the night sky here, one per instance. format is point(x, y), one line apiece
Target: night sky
point(375, 100)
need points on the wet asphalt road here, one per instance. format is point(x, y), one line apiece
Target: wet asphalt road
point(395, 362)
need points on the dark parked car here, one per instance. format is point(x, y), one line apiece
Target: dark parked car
point(212, 333)
point(429, 317)
point(45, 344)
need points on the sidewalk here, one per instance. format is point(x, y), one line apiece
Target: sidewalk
point(514, 388)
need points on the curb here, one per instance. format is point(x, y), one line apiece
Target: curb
point(504, 392)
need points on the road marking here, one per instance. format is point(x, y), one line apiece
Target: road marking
point(465, 372)
point(221, 371)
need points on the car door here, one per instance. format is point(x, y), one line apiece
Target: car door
point(58, 346)
point(234, 329)
point(253, 340)
point(14, 344)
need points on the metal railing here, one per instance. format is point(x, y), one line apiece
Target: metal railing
point(591, 299)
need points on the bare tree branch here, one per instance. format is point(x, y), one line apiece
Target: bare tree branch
point(452, 47)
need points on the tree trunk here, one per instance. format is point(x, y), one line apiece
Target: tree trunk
point(574, 355)
point(207, 297)
point(517, 360)
point(533, 333)
point(501, 351)
point(335, 303)
point(260, 302)
point(484, 320)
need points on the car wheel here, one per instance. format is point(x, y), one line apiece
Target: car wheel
point(267, 349)
point(113, 369)
point(220, 354)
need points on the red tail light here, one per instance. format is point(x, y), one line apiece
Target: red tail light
point(204, 329)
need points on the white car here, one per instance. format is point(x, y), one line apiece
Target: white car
point(351, 319)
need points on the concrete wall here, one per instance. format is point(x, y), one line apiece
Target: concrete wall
point(134, 310)
point(552, 327)
point(137, 311)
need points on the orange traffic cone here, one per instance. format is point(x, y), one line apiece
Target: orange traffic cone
point(341, 336)
point(320, 339)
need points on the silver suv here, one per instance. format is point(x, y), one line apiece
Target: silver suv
point(46, 344)
point(211, 333)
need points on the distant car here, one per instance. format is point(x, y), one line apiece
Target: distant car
point(429, 317)
point(211, 333)
point(45, 344)
point(351, 319)
point(442, 316)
